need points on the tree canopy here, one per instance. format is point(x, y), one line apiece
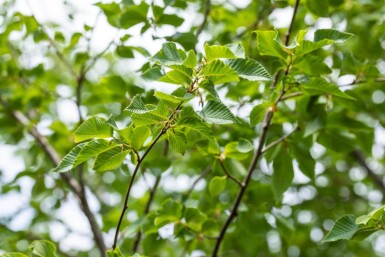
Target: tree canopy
point(193, 128)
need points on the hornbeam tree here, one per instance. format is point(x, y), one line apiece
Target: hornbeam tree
point(200, 128)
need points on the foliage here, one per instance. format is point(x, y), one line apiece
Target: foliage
point(235, 137)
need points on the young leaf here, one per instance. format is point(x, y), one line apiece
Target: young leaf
point(217, 112)
point(115, 253)
point(68, 161)
point(317, 86)
point(178, 76)
point(373, 215)
point(92, 149)
point(157, 116)
point(217, 185)
point(344, 228)
point(170, 211)
point(178, 141)
point(332, 34)
point(227, 51)
point(283, 174)
point(95, 127)
point(191, 60)
point(268, 44)
point(249, 69)
point(111, 159)
point(194, 218)
point(137, 106)
point(139, 136)
point(168, 55)
point(219, 73)
point(172, 98)
point(42, 248)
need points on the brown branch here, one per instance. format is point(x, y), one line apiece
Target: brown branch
point(290, 30)
point(140, 160)
point(73, 184)
point(138, 236)
point(204, 173)
point(236, 181)
point(359, 157)
point(279, 140)
point(205, 17)
point(262, 138)
point(292, 95)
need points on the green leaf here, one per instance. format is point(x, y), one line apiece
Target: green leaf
point(238, 150)
point(13, 255)
point(95, 127)
point(153, 74)
point(42, 248)
point(373, 215)
point(170, 211)
point(191, 60)
point(217, 112)
point(249, 69)
point(219, 73)
point(305, 161)
point(139, 136)
point(208, 86)
point(189, 119)
point(137, 106)
point(318, 86)
point(134, 14)
point(257, 114)
point(283, 174)
point(111, 159)
point(180, 75)
point(178, 141)
point(115, 253)
point(331, 34)
point(92, 149)
point(168, 55)
point(194, 219)
point(157, 116)
point(267, 43)
point(312, 65)
point(217, 185)
point(172, 98)
point(124, 51)
point(68, 161)
point(227, 51)
point(344, 229)
point(319, 8)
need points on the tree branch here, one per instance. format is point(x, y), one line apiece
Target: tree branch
point(290, 30)
point(236, 181)
point(262, 138)
point(74, 185)
point(138, 236)
point(204, 173)
point(205, 17)
point(140, 160)
point(279, 140)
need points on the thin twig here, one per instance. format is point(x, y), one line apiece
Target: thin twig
point(292, 95)
point(138, 236)
point(279, 140)
point(205, 17)
point(239, 183)
point(140, 160)
point(290, 30)
point(204, 173)
point(73, 184)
